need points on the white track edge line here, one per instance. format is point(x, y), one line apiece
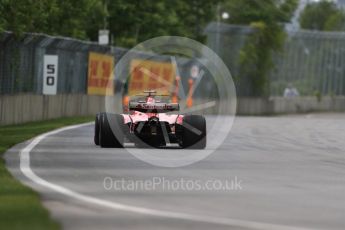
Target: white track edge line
point(27, 171)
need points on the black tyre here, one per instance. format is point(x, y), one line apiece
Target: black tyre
point(96, 135)
point(194, 132)
point(107, 124)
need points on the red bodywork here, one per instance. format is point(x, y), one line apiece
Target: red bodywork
point(152, 121)
point(134, 116)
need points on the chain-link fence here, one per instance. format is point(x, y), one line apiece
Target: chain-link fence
point(21, 64)
point(311, 61)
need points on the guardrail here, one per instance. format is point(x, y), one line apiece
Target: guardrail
point(23, 108)
point(280, 105)
point(29, 107)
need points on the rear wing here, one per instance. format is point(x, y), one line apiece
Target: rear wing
point(153, 108)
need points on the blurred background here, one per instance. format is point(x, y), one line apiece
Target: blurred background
point(58, 67)
point(273, 48)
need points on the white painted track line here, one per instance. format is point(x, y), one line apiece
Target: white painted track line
point(27, 171)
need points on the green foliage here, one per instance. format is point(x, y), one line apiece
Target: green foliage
point(2, 20)
point(323, 15)
point(318, 95)
point(256, 56)
point(336, 22)
point(20, 206)
point(25, 15)
point(71, 18)
point(133, 21)
point(129, 21)
point(266, 18)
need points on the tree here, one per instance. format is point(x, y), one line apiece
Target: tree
point(129, 21)
point(133, 21)
point(323, 15)
point(70, 18)
point(26, 15)
point(79, 19)
point(266, 17)
point(194, 15)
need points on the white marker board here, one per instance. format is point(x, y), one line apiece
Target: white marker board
point(50, 74)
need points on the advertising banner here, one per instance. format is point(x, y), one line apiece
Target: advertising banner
point(100, 74)
point(151, 75)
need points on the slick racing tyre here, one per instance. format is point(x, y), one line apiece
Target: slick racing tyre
point(107, 124)
point(96, 133)
point(194, 132)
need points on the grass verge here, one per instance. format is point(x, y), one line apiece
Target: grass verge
point(20, 206)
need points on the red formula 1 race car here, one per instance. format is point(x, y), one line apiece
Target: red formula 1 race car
point(152, 121)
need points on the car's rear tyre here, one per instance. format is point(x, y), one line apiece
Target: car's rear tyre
point(194, 132)
point(96, 134)
point(107, 124)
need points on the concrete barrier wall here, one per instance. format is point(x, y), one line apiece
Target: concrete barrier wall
point(280, 105)
point(22, 108)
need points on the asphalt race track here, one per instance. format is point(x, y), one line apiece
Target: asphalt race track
point(289, 173)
